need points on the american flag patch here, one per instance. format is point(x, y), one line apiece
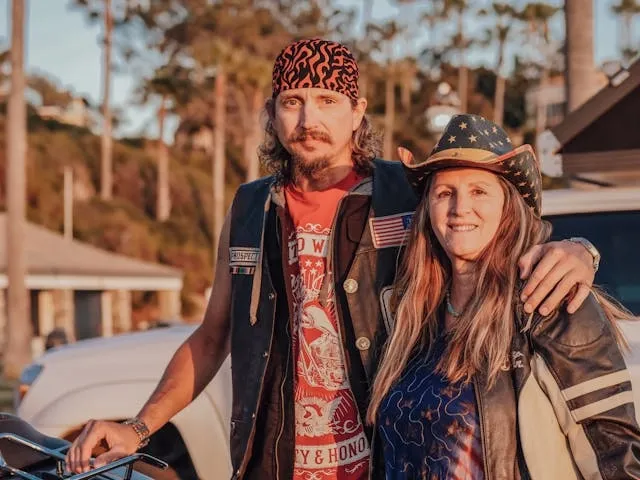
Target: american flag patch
point(390, 231)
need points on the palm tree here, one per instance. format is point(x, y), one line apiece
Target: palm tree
point(385, 37)
point(537, 16)
point(19, 331)
point(106, 153)
point(628, 10)
point(580, 72)
point(431, 17)
point(505, 15)
point(219, 159)
point(459, 8)
point(170, 86)
point(252, 79)
point(96, 9)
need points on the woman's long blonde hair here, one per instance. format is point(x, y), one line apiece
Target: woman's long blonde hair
point(480, 340)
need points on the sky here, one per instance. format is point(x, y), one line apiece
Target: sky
point(62, 44)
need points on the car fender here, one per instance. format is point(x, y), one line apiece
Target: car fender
point(203, 425)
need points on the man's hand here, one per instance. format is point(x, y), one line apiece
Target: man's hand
point(561, 269)
point(122, 440)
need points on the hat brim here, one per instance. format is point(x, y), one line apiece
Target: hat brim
point(519, 167)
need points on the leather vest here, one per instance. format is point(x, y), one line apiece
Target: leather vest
point(262, 423)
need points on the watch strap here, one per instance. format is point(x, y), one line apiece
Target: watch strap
point(590, 247)
point(141, 430)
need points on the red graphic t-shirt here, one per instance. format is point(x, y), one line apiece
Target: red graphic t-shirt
point(330, 439)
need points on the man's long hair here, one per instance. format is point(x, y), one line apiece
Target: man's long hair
point(480, 340)
point(366, 143)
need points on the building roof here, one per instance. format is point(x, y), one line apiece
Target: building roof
point(601, 137)
point(56, 262)
point(612, 97)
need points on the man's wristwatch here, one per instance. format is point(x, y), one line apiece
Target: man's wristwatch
point(141, 430)
point(590, 248)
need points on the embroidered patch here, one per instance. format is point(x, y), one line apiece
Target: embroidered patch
point(390, 231)
point(242, 270)
point(385, 307)
point(243, 256)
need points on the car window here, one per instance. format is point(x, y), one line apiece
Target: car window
point(617, 237)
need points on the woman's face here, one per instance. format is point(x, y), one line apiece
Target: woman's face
point(465, 209)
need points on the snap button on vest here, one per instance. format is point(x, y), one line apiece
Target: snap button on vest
point(272, 296)
point(363, 343)
point(350, 285)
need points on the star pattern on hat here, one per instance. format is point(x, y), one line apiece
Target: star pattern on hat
point(474, 131)
point(466, 131)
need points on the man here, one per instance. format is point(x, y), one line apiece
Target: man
point(300, 298)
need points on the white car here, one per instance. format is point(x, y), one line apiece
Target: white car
point(111, 378)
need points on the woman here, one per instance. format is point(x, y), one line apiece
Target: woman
point(470, 386)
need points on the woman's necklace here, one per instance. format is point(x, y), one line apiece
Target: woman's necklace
point(450, 308)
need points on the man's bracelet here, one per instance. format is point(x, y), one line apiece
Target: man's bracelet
point(141, 430)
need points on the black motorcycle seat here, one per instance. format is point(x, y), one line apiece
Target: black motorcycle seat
point(21, 456)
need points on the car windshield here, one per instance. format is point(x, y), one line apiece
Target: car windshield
point(617, 237)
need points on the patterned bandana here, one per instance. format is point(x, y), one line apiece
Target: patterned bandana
point(316, 64)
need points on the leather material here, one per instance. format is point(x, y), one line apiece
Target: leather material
point(262, 413)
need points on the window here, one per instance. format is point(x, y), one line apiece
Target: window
point(617, 237)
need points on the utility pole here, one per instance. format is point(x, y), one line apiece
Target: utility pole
point(17, 351)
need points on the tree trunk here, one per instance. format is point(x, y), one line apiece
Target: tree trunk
point(219, 160)
point(163, 205)
point(389, 113)
point(498, 105)
point(106, 178)
point(17, 351)
point(498, 99)
point(628, 47)
point(407, 83)
point(254, 135)
point(463, 71)
point(580, 73)
point(542, 103)
point(627, 20)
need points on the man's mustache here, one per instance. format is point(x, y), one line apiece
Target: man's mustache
point(313, 135)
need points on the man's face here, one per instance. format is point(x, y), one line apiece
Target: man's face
point(315, 125)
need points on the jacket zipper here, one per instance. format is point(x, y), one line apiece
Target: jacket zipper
point(482, 430)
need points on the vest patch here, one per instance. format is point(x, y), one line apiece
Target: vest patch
point(242, 270)
point(385, 307)
point(243, 256)
point(390, 231)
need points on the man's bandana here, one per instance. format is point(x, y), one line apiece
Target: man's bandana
point(316, 64)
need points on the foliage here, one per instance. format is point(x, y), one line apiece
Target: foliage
point(177, 48)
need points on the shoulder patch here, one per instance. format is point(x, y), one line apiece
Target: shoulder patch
point(243, 260)
point(391, 230)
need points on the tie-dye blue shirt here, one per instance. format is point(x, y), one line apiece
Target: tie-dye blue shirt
point(428, 426)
